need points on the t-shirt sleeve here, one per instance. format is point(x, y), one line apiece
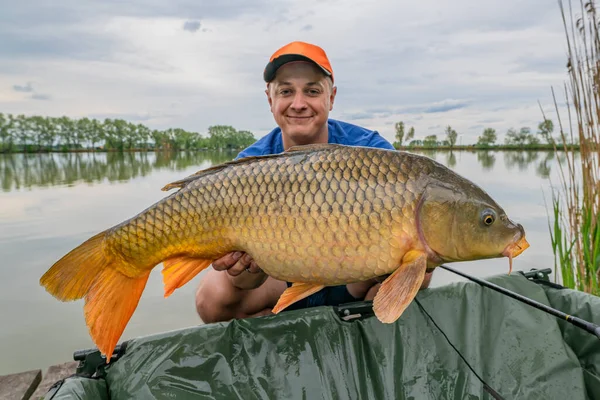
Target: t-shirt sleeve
point(376, 140)
point(263, 146)
point(256, 149)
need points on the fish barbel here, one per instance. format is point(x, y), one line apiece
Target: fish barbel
point(316, 215)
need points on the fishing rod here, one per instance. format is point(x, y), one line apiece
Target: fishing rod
point(578, 322)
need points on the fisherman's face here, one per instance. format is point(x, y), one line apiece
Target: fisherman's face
point(300, 98)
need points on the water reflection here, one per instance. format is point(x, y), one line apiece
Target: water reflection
point(487, 160)
point(451, 159)
point(521, 160)
point(19, 171)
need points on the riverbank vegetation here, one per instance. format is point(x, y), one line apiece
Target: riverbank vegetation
point(523, 139)
point(27, 134)
point(574, 222)
point(34, 134)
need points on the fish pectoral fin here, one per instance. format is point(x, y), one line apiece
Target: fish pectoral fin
point(178, 271)
point(400, 288)
point(296, 292)
point(109, 305)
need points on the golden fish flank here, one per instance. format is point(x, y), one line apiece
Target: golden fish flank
point(316, 215)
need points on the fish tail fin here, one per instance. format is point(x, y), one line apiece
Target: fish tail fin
point(71, 277)
point(110, 296)
point(180, 270)
point(109, 305)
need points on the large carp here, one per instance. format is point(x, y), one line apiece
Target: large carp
point(315, 215)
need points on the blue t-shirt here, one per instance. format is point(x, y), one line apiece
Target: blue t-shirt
point(339, 133)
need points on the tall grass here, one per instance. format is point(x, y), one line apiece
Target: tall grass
point(575, 230)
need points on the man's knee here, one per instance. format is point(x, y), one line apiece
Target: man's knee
point(212, 298)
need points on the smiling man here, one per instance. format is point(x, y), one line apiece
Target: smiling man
point(301, 93)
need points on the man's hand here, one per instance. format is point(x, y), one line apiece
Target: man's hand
point(243, 271)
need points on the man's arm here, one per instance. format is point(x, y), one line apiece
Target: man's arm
point(236, 288)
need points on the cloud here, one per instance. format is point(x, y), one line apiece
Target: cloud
point(359, 116)
point(26, 89)
point(490, 120)
point(445, 106)
point(446, 63)
point(38, 96)
point(191, 26)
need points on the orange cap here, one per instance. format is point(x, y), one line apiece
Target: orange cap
point(297, 51)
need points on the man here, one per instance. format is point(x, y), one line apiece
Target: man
point(301, 92)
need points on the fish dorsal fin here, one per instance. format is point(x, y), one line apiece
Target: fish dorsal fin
point(292, 151)
point(214, 169)
point(314, 147)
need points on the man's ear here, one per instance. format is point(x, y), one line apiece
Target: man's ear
point(267, 92)
point(332, 97)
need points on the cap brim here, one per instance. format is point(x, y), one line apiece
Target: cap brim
point(273, 66)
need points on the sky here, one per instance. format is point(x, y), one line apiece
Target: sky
point(194, 63)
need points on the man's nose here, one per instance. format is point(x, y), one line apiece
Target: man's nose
point(299, 102)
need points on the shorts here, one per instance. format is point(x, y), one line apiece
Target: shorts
point(328, 296)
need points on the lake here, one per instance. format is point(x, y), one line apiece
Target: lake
point(50, 203)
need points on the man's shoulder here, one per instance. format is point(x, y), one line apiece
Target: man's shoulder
point(355, 135)
point(268, 144)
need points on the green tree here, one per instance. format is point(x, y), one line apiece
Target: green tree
point(66, 131)
point(451, 135)
point(245, 138)
point(516, 138)
point(411, 134)
point(399, 134)
point(183, 139)
point(143, 134)
point(488, 137)
point(44, 131)
point(82, 131)
point(95, 133)
point(115, 133)
point(160, 139)
point(22, 130)
point(6, 123)
point(430, 140)
point(531, 139)
point(545, 129)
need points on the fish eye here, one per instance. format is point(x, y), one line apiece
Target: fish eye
point(489, 216)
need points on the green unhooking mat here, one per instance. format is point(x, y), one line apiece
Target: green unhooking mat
point(460, 341)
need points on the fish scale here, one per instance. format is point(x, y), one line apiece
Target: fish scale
point(316, 215)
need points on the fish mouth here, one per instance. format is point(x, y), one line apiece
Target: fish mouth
point(514, 249)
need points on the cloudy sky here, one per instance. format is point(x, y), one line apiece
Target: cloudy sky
point(195, 63)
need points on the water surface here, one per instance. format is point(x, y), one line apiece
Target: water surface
point(50, 203)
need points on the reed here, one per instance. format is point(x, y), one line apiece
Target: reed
point(575, 228)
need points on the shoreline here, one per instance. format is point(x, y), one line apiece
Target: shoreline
point(470, 148)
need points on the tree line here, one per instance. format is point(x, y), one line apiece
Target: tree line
point(522, 138)
point(39, 133)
